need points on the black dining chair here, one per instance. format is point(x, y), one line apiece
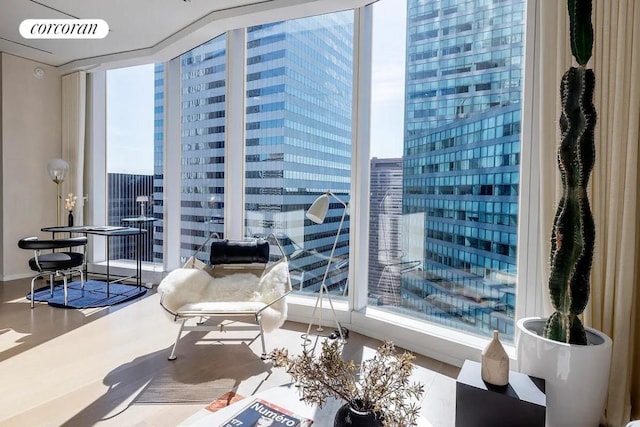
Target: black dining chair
point(55, 264)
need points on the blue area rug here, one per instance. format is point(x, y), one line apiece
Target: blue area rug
point(95, 294)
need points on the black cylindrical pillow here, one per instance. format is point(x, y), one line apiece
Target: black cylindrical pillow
point(239, 251)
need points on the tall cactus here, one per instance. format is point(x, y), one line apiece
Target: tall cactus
point(573, 233)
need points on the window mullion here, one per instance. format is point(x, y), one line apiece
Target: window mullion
point(234, 135)
point(97, 159)
point(360, 151)
point(530, 282)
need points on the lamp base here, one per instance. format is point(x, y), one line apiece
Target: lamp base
point(339, 332)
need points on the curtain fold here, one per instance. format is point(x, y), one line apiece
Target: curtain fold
point(614, 181)
point(614, 196)
point(74, 94)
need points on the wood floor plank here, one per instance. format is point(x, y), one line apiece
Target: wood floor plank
point(107, 366)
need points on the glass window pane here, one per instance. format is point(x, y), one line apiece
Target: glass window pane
point(134, 115)
point(202, 145)
point(444, 173)
point(298, 141)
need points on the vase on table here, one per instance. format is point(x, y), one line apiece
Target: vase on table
point(495, 363)
point(347, 416)
point(70, 220)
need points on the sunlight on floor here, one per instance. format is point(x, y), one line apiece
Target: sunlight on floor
point(9, 339)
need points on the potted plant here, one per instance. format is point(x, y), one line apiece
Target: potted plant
point(573, 360)
point(376, 393)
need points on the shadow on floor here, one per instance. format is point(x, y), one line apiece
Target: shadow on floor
point(201, 374)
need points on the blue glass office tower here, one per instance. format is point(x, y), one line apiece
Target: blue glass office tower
point(461, 158)
point(298, 136)
point(297, 139)
point(203, 107)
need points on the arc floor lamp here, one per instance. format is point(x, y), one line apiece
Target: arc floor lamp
point(317, 213)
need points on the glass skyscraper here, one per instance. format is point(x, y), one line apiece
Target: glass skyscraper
point(462, 157)
point(157, 192)
point(386, 255)
point(203, 107)
point(297, 140)
point(122, 190)
point(444, 217)
point(298, 136)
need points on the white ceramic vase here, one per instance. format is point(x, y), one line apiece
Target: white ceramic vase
point(576, 376)
point(494, 366)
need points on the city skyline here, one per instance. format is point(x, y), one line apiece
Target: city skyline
point(449, 235)
point(130, 102)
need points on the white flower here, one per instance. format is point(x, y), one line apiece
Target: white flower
point(70, 202)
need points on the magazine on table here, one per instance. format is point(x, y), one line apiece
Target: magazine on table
point(261, 413)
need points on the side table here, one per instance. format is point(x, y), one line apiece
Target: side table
point(139, 222)
point(521, 403)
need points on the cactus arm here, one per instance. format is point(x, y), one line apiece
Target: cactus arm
point(581, 30)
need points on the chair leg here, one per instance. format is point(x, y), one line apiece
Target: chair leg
point(264, 349)
point(33, 296)
point(52, 283)
point(82, 281)
point(64, 285)
point(173, 351)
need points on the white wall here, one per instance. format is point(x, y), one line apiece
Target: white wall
point(30, 135)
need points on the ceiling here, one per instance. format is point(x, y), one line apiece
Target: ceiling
point(142, 30)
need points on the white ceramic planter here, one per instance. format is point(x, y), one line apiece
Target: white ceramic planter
point(576, 376)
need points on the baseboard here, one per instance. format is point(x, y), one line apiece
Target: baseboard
point(18, 276)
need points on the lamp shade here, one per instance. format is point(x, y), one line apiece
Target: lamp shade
point(318, 210)
point(57, 169)
point(142, 199)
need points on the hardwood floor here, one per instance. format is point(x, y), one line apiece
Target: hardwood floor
point(109, 366)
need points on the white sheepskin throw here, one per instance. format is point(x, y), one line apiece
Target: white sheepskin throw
point(189, 289)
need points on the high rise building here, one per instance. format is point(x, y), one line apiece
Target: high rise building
point(298, 139)
point(123, 189)
point(298, 134)
point(462, 157)
point(158, 162)
point(385, 251)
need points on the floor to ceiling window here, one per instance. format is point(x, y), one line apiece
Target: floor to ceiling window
point(298, 141)
point(132, 114)
point(202, 145)
point(446, 153)
point(444, 166)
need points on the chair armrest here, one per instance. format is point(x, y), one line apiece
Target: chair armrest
point(174, 314)
point(273, 302)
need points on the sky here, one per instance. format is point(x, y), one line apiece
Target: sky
point(130, 120)
point(387, 79)
point(130, 99)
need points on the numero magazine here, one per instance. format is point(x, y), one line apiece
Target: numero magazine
point(261, 413)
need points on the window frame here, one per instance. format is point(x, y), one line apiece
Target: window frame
point(429, 339)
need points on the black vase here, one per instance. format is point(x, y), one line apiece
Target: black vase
point(70, 223)
point(349, 417)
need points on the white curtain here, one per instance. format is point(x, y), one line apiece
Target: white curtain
point(616, 271)
point(614, 182)
point(74, 93)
